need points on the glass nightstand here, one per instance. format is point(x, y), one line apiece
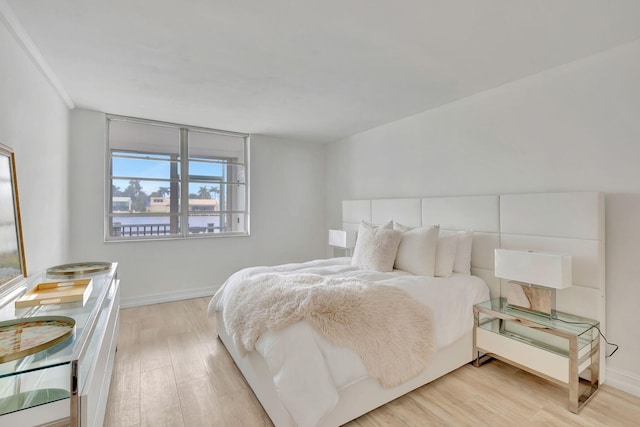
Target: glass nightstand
point(564, 349)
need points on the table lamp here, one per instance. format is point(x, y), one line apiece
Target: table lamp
point(533, 278)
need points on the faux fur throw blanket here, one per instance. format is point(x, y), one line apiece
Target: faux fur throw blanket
point(391, 331)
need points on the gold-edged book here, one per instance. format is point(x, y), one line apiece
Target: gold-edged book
point(56, 293)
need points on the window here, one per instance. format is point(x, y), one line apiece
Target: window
point(173, 181)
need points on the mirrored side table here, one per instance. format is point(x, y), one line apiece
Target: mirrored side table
point(563, 349)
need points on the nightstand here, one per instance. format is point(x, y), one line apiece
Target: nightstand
point(564, 349)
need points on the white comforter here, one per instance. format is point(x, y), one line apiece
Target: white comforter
point(308, 371)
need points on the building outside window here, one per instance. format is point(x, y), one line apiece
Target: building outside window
point(174, 181)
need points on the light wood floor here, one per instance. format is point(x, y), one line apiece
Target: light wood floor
point(171, 370)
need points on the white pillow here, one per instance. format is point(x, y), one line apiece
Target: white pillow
point(462, 262)
point(376, 247)
point(417, 249)
point(445, 255)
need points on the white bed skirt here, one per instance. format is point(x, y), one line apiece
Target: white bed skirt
point(356, 399)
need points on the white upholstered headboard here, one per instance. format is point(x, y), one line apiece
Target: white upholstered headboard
point(477, 213)
point(570, 223)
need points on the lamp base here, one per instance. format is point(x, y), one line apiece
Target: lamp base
point(536, 299)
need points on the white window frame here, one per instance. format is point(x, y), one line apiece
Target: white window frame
point(184, 179)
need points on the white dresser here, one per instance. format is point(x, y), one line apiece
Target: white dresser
point(69, 383)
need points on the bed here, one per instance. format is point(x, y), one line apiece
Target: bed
point(302, 379)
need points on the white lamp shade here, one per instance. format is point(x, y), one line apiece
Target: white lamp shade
point(548, 269)
point(342, 238)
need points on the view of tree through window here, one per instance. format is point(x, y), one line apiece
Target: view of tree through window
point(175, 181)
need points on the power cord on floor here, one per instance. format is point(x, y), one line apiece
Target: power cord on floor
point(599, 331)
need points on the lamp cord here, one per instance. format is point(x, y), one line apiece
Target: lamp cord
point(599, 331)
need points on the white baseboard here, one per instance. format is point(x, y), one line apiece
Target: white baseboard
point(624, 381)
point(167, 297)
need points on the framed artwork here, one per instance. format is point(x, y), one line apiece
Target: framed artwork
point(12, 263)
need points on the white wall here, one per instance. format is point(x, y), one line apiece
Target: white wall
point(575, 127)
point(34, 121)
point(287, 219)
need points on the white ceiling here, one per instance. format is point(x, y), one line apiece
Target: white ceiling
point(307, 70)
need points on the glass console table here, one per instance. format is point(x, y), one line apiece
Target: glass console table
point(564, 349)
point(66, 384)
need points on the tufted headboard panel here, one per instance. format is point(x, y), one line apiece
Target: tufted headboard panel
point(570, 223)
point(477, 213)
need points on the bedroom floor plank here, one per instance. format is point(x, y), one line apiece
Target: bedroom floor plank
point(187, 364)
point(123, 406)
point(171, 370)
point(410, 410)
point(199, 403)
point(160, 404)
point(243, 409)
point(225, 375)
point(155, 354)
point(204, 328)
point(383, 417)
